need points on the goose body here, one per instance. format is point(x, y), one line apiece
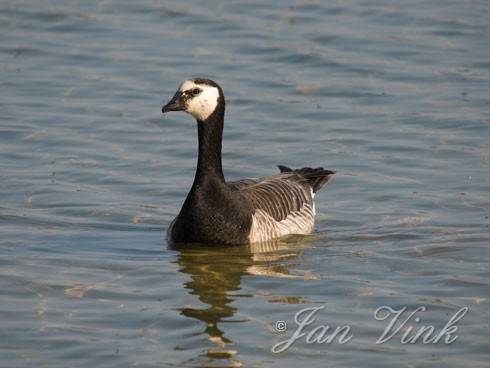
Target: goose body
point(244, 211)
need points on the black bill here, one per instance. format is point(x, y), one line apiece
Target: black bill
point(175, 104)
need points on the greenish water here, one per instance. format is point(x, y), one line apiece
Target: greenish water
point(394, 96)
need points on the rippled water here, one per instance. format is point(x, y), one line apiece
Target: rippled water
point(395, 96)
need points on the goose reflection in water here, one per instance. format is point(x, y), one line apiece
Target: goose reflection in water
point(216, 274)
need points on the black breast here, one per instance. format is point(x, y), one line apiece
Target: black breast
point(213, 214)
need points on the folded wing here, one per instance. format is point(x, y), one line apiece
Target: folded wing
point(283, 203)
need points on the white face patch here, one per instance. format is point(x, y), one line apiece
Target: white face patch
point(202, 105)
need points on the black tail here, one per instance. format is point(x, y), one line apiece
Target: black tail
point(316, 178)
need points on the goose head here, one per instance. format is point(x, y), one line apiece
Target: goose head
point(199, 97)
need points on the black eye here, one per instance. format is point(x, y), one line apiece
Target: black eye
point(196, 91)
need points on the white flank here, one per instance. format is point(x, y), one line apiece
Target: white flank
point(202, 105)
point(265, 227)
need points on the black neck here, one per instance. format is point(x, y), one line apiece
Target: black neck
point(210, 134)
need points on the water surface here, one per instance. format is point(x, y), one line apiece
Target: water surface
point(394, 96)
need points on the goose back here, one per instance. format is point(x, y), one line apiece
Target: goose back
point(282, 204)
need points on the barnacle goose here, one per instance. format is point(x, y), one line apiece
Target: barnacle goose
point(237, 212)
